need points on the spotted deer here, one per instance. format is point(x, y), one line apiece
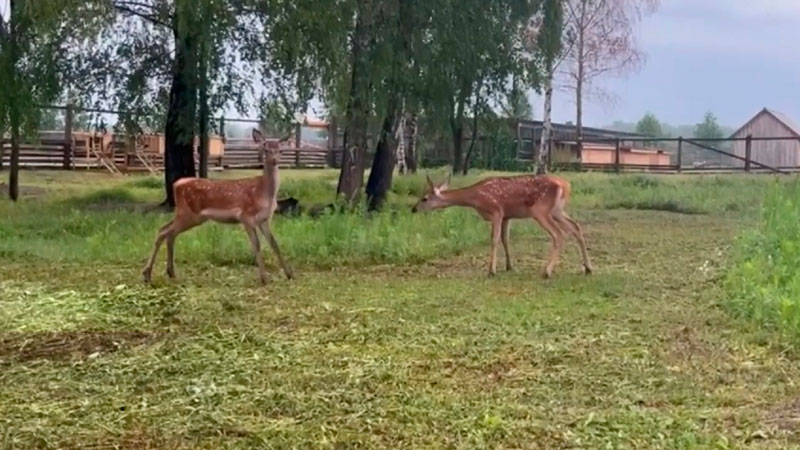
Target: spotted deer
point(500, 199)
point(250, 202)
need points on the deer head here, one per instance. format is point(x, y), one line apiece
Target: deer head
point(433, 198)
point(270, 149)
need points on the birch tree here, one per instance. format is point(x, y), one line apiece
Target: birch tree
point(600, 37)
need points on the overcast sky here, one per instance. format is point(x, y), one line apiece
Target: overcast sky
point(732, 57)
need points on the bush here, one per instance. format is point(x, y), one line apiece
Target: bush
point(763, 282)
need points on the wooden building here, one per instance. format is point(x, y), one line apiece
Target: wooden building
point(774, 153)
point(598, 149)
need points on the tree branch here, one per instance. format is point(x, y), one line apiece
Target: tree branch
point(122, 7)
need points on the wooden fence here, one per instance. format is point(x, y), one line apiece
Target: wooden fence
point(121, 153)
point(707, 155)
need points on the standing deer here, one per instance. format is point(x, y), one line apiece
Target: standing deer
point(250, 202)
point(500, 199)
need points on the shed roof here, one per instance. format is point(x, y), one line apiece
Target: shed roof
point(779, 116)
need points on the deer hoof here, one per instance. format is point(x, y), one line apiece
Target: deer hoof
point(547, 274)
point(146, 276)
point(587, 270)
point(171, 274)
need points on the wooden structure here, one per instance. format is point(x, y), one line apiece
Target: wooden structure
point(529, 135)
point(119, 153)
point(780, 153)
point(598, 155)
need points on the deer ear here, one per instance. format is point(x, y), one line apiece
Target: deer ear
point(430, 182)
point(446, 184)
point(257, 135)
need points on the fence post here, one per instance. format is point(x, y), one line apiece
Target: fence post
point(748, 149)
point(616, 155)
point(298, 141)
point(68, 138)
point(680, 154)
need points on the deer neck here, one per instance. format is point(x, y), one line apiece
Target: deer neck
point(270, 181)
point(460, 197)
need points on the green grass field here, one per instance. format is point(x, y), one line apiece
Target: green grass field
point(392, 336)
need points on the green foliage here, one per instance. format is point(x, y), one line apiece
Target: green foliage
point(517, 105)
point(709, 128)
point(649, 126)
point(763, 283)
point(33, 67)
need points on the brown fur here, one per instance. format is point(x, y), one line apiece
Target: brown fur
point(500, 199)
point(250, 202)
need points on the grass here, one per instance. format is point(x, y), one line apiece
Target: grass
point(764, 282)
point(393, 336)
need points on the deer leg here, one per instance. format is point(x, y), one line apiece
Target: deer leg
point(265, 230)
point(179, 225)
point(574, 229)
point(256, 245)
point(163, 232)
point(171, 255)
point(505, 235)
point(497, 229)
point(550, 226)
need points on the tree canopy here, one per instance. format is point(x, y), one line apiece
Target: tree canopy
point(709, 128)
point(649, 126)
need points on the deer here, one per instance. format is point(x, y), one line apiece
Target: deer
point(500, 199)
point(250, 202)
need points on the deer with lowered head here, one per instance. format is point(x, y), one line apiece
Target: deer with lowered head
point(250, 202)
point(500, 199)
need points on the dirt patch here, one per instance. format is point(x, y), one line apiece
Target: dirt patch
point(786, 417)
point(686, 344)
point(135, 439)
point(26, 191)
point(24, 347)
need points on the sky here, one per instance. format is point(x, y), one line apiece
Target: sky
point(730, 57)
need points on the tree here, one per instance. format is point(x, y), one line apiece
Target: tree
point(34, 36)
point(474, 50)
point(709, 128)
point(176, 63)
point(600, 37)
point(399, 27)
point(649, 126)
point(517, 105)
point(545, 34)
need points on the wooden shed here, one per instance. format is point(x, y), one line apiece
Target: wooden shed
point(602, 155)
point(774, 153)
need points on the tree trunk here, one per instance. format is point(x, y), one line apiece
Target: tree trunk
point(457, 130)
point(13, 176)
point(581, 60)
point(182, 109)
point(540, 159)
point(472, 140)
point(411, 142)
point(14, 112)
point(354, 149)
point(203, 112)
point(380, 177)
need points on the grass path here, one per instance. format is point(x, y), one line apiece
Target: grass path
point(435, 355)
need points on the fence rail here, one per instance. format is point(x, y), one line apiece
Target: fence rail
point(757, 154)
point(122, 152)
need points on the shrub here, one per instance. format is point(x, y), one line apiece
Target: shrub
point(763, 282)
